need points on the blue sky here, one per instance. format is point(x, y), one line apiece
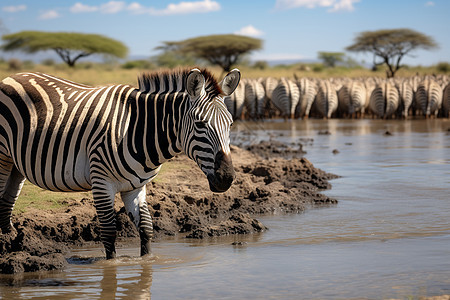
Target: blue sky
point(291, 29)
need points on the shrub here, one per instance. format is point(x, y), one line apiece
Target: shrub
point(318, 68)
point(48, 62)
point(138, 64)
point(260, 65)
point(15, 64)
point(443, 67)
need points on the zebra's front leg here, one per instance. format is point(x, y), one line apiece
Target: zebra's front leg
point(137, 208)
point(13, 183)
point(104, 195)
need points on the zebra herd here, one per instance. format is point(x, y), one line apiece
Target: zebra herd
point(341, 97)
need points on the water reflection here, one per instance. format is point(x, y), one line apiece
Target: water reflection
point(124, 277)
point(129, 282)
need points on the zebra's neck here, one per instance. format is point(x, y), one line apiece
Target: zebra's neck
point(155, 123)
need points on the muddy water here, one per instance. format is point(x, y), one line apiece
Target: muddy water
point(389, 236)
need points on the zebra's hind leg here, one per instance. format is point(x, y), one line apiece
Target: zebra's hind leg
point(104, 204)
point(137, 208)
point(11, 183)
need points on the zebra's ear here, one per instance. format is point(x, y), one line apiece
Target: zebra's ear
point(195, 83)
point(230, 82)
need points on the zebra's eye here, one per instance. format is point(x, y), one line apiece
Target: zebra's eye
point(200, 123)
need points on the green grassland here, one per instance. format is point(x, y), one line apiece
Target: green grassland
point(32, 196)
point(96, 74)
point(35, 197)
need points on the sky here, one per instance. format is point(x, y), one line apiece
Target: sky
point(290, 29)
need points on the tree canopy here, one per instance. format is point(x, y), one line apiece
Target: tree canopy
point(69, 46)
point(223, 50)
point(331, 58)
point(389, 46)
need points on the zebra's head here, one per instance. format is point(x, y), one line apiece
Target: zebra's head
point(205, 134)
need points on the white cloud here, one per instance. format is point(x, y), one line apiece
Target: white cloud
point(203, 6)
point(429, 3)
point(13, 9)
point(249, 31)
point(343, 5)
point(136, 7)
point(333, 5)
point(50, 14)
point(184, 7)
point(81, 8)
point(112, 7)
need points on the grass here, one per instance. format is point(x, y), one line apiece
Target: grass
point(32, 196)
point(102, 74)
point(167, 168)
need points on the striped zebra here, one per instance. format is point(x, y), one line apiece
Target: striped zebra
point(235, 101)
point(254, 98)
point(384, 100)
point(392, 99)
point(285, 97)
point(64, 136)
point(446, 101)
point(429, 97)
point(269, 84)
point(344, 97)
point(308, 91)
point(326, 99)
point(406, 93)
point(358, 98)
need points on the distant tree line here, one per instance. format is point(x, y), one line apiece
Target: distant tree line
point(388, 48)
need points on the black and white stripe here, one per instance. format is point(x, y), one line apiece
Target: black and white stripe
point(64, 136)
point(429, 97)
point(286, 97)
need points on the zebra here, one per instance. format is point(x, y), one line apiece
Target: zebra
point(235, 102)
point(308, 91)
point(254, 98)
point(344, 97)
point(64, 136)
point(285, 97)
point(429, 97)
point(269, 84)
point(358, 98)
point(392, 98)
point(406, 93)
point(446, 101)
point(326, 99)
point(384, 100)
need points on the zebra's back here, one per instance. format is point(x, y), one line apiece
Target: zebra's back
point(49, 125)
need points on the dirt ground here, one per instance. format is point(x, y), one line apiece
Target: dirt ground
point(180, 203)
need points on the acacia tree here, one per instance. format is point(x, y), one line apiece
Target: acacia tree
point(389, 46)
point(223, 50)
point(331, 58)
point(69, 46)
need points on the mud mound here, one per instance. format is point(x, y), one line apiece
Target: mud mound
point(180, 203)
point(273, 148)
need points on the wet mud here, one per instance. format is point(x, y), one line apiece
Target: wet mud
point(180, 203)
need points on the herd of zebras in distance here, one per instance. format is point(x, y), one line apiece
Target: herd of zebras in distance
point(374, 97)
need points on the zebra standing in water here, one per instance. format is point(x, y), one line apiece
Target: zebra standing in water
point(285, 97)
point(63, 136)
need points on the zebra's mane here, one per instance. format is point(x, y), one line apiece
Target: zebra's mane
point(169, 81)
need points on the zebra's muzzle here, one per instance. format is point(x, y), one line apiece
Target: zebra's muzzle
point(224, 174)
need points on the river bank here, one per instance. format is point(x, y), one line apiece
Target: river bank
point(180, 203)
